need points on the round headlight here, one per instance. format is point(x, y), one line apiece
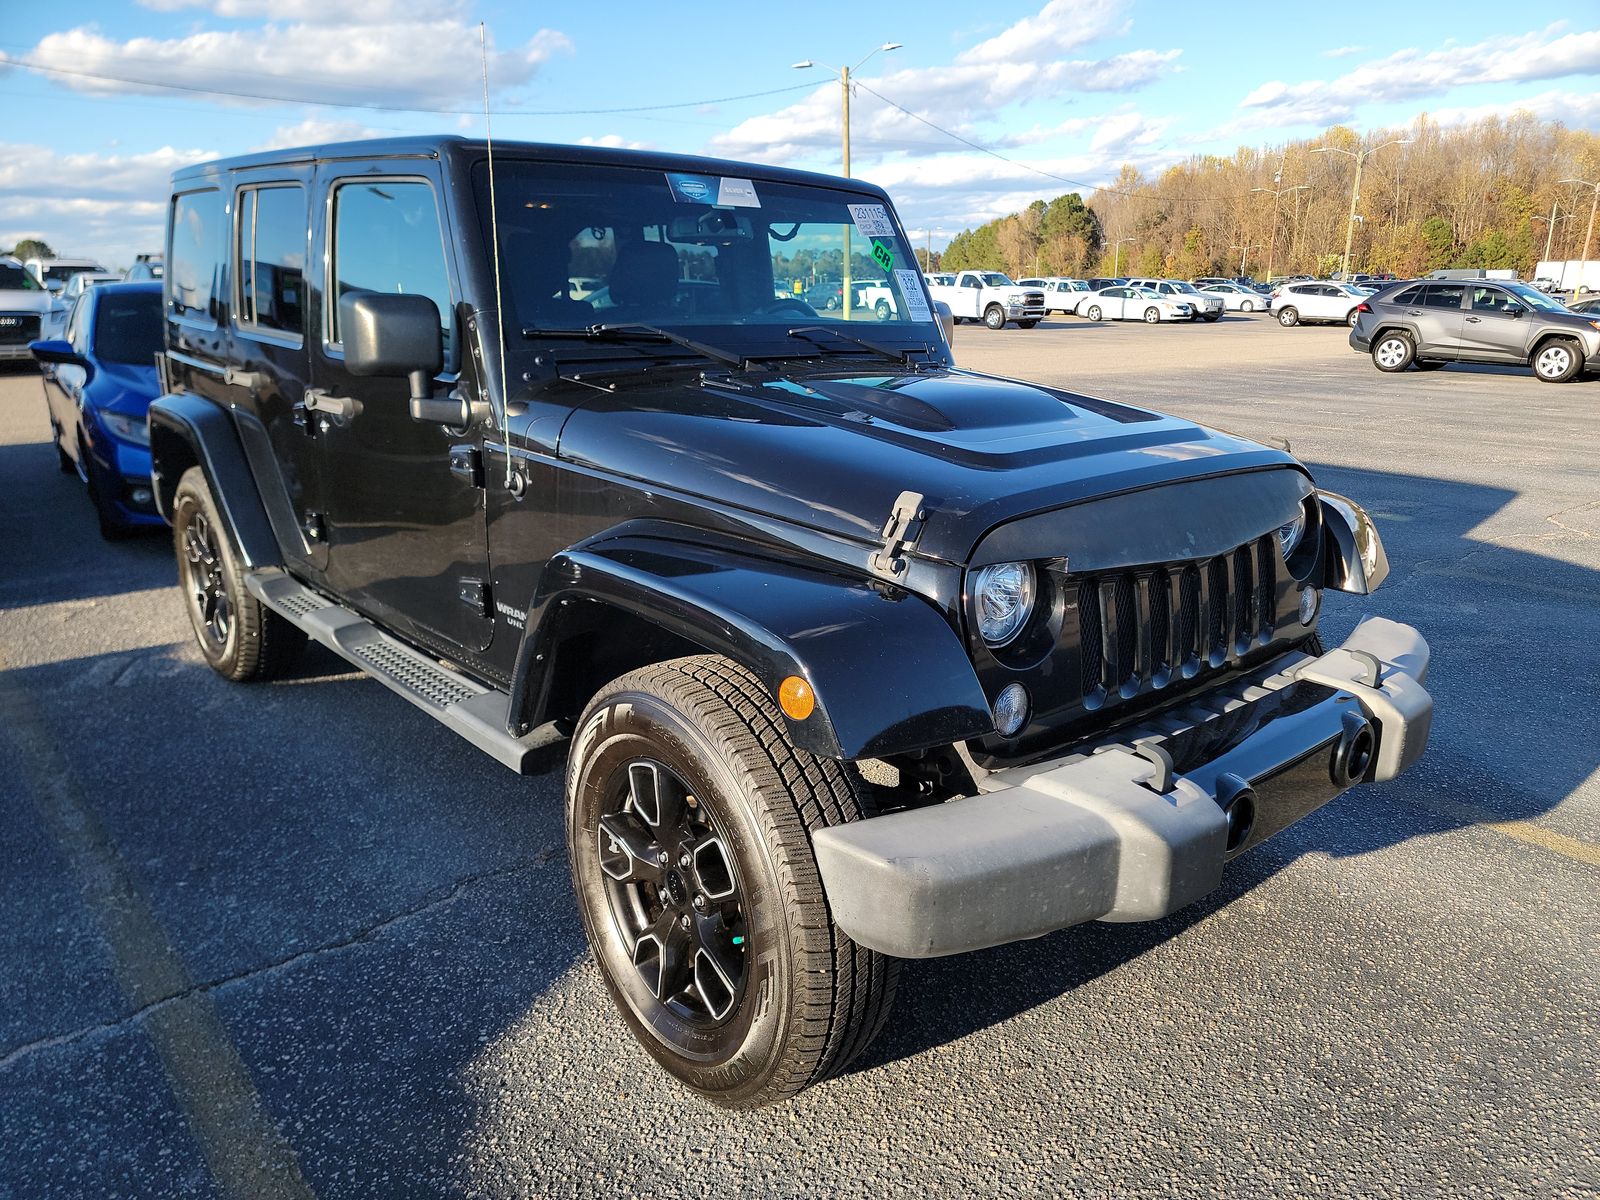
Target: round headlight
point(1289, 535)
point(1004, 594)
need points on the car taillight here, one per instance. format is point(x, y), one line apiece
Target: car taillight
point(1364, 307)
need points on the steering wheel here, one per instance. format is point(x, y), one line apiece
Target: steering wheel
point(787, 305)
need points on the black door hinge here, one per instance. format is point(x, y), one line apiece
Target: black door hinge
point(314, 527)
point(475, 595)
point(466, 464)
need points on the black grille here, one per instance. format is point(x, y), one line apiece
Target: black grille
point(1141, 629)
point(18, 329)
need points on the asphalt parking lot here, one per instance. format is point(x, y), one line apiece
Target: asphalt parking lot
point(295, 939)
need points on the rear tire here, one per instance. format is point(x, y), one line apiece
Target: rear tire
point(766, 995)
point(1094, 312)
point(1557, 360)
point(239, 637)
point(1351, 317)
point(1393, 351)
point(1288, 318)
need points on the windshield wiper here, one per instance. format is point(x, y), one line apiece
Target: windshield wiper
point(903, 357)
point(636, 330)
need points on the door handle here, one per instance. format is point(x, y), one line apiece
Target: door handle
point(1474, 320)
point(1411, 312)
point(319, 400)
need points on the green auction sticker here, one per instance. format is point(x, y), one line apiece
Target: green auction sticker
point(882, 255)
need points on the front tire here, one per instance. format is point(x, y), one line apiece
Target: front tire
point(689, 822)
point(1247, 307)
point(1213, 318)
point(1026, 324)
point(994, 317)
point(1288, 318)
point(1557, 361)
point(239, 637)
point(1152, 315)
point(1393, 351)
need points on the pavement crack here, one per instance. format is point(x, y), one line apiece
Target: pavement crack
point(438, 898)
point(1553, 518)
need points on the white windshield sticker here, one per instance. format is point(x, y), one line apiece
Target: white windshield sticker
point(872, 220)
point(911, 288)
point(713, 189)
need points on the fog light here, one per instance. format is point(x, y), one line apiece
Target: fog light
point(1011, 709)
point(141, 495)
point(1310, 602)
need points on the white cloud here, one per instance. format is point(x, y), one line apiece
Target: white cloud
point(315, 132)
point(615, 141)
point(109, 206)
point(1581, 110)
point(1023, 63)
point(428, 58)
point(1411, 74)
point(1343, 51)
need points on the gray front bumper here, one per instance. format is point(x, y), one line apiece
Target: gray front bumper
point(1134, 829)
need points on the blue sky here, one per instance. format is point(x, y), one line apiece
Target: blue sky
point(1074, 88)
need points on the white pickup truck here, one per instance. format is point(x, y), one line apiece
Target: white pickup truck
point(990, 297)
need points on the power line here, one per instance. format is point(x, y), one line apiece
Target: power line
point(403, 108)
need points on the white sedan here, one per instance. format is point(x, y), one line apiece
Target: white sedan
point(1132, 304)
point(1236, 297)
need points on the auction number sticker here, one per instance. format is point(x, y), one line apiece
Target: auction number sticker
point(911, 288)
point(872, 220)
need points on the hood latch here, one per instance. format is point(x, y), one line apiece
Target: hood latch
point(899, 534)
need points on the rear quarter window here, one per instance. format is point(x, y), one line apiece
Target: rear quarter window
point(196, 249)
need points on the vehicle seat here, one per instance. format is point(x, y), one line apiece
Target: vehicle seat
point(536, 273)
point(644, 279)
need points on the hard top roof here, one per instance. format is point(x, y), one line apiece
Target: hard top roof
point(451, 146)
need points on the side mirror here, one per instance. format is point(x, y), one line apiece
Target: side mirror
point(55, 352)
point(946, 319)
point(394, 335)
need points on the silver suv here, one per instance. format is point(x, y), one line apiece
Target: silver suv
point(1432, 322)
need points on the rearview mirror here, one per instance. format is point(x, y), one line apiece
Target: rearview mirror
point(715, 227)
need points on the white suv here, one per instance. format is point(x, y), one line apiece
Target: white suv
point(1319, 300)
point(1202, 305)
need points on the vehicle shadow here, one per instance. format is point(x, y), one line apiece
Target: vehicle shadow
point(1475, 602)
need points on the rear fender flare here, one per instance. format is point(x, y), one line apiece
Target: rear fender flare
point(186, 431)
point(889, 673)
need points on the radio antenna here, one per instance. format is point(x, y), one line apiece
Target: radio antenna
point(494, 238)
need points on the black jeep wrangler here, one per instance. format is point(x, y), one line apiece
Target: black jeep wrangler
point(861, 657)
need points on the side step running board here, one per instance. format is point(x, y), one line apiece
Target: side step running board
point(476, 712)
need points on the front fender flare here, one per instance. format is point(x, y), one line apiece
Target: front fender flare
point(889, 673)
point(1353, 551)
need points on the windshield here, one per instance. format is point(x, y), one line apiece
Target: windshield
point(17, 279)
point(1184, 287)
point(128, 327)
point(65, 271)
point(1534, 297)
point(613, 245)
point(995, 279)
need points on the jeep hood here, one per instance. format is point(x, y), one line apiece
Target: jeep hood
point(833, 450)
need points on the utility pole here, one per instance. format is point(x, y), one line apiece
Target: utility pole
point(844, 113)
point(1275, 191)
point(1361, 157)
point(1116, 256)
point(1589, 233)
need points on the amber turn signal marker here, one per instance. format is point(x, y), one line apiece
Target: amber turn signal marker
point(796, 698)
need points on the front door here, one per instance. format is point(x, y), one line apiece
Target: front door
point(1496, 326)
point(969, 297)
point(405, 521)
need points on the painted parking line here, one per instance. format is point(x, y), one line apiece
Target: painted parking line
point(247, 1155)
point(1471, 816)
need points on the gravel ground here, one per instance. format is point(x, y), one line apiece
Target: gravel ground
point(297, 940)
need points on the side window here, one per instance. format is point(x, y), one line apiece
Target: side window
point(1410, 295)
point(75, 332)
point(971, 281)
point(1490, 299)
point(1443, 295)
point(386, 238)
point(270, 258)
point(195, 252)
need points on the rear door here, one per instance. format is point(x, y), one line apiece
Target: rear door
point(1437, 319)
point(1495, 327)
point(405, 521)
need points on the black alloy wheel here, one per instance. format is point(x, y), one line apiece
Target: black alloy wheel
point(689, 821)
point(210, 606)
point(674, 893)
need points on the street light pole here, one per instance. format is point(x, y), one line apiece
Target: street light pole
point(1361, 157)
point(1116, 255)
point(1246, 254)
point(1589, 233)
point(1275, 192)
point(844, 126)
